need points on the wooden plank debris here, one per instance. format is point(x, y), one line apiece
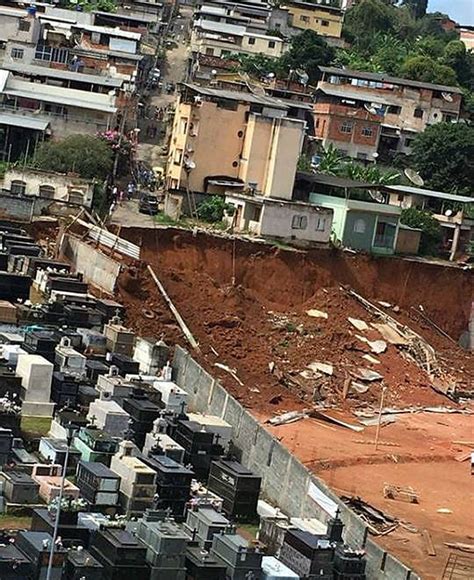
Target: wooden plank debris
point(428, 543)
point(460, 546)
point(397, 492)
point(314, 414)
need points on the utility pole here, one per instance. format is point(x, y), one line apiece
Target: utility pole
point(70, 434)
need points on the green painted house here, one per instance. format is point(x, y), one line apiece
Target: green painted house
point(362, 225)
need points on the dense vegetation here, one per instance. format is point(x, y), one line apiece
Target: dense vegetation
point(399, 38)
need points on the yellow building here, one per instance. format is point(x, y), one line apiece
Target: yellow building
point(325, 20)
point(230, 140)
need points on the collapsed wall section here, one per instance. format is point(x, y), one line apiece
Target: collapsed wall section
point(97, 268)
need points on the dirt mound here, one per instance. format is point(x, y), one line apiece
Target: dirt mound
point(260, 326)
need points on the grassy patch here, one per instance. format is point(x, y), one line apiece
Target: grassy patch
point(166, 220)
point(248, 531)
point(11, 522)
point(35, 426)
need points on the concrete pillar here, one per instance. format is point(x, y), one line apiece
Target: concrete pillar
point(454, 245)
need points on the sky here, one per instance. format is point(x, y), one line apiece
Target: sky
point(460, 10)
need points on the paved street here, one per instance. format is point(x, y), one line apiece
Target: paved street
point(127, 215)
point(174, 72)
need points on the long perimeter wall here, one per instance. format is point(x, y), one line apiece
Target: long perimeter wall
point(286, 482)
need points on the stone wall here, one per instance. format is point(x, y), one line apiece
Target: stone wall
point(97, 268)
point(285, 480)
point(19, 208)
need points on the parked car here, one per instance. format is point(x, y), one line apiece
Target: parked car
point(148, 204)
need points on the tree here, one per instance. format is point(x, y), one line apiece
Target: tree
point(307, 51)
point(417, 7)
point(427, 70)
point(461, 61)
point(367, 18)
point(430, 228)
point(86, 155)
point(444, 156)
point(212, 209)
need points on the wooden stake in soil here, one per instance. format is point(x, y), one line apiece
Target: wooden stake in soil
point(377, 434)
point(187, 333)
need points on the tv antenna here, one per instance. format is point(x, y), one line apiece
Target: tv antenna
point(414, 177)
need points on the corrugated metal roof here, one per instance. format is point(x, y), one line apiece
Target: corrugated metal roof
point(237, 96)
point(347, 92)
point(430, 193)
point(118, 32)
point(42, 71)
point(60, 95)
point(38, 124)
point(383, 78)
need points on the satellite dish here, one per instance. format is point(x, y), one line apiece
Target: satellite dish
point(189, 164)
point(447, 97)
point(371, 109)
point(376, 195)
point(448, 213)
point(414, 177)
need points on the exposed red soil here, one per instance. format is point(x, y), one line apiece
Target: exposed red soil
point(262, 319)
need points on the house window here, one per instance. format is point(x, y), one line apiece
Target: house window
point(324, 22)
point(362, 156)
point(95, 37)
point(255, 213)
point(394, 109)
point(367, 131)
point(17, 53)
point(359, 226)
point(178, 156)
point(299, 222)
point(210, 51)
point(384, 234)
point(418, 114)
point(76, 196)
point(447, 118)
point(17, 187)
point(346, 127)
point(50, 54)
point(342, 152)
point(317, 123)
point(400, 197)
point(251, 40)
point(408, 142)
point(183, 125)
point(47, 191)
point(320, 224)
point(24, 25)
point(304, 18)
point(271, 44)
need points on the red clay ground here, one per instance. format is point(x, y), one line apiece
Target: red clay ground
point(262, 319)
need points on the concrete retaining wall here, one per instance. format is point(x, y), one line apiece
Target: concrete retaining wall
point(285, 480)
point(97, 268)
point(23, 209)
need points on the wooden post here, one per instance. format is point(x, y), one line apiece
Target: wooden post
point(377, 434)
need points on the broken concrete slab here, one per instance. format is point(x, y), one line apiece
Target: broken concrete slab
point(316, 313)
point(358, 388)
point(325, 368)
point(390, 334)
point(377, 346)
point(359, 324)
point(366, 375)
point(371, 359)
